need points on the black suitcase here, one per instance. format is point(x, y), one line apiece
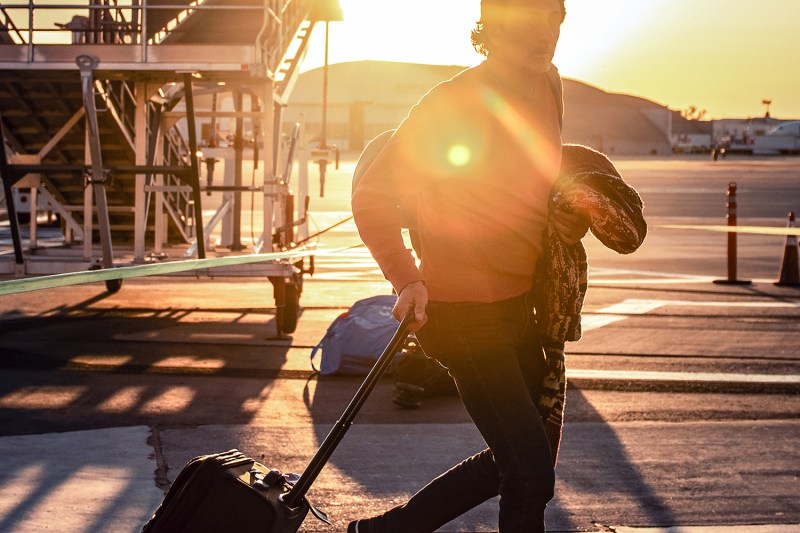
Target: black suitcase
point(230, 492)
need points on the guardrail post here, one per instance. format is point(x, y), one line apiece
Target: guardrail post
point(731, 217)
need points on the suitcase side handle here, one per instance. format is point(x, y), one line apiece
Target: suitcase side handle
point(337, 433)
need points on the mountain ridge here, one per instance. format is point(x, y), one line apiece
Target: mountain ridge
point(610, 122)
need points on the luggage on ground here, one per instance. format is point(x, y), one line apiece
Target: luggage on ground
point(228, 492)
point(417, 376)
point(356, 338)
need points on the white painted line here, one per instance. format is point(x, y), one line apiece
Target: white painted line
point(648, 273)
point(604, 276)
point(616, 312)
point(707, 377)
point(661, 281)
point(640, 306)
point(635, 306)
point(768, 528)
point(352, 276)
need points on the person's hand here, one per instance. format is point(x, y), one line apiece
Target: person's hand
point(570, 225)
point(414, 296)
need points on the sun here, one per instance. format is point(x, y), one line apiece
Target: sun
point(593, 31)
point(413, 31)
point(437, 32)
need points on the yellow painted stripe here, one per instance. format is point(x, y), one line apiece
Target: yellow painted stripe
point(153, 269)
point(756, 230)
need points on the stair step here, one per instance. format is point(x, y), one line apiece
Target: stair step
point(35, 107)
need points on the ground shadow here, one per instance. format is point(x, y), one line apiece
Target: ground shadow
point(596, 470)
point(44, 390)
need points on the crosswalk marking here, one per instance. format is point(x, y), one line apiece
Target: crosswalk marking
point(635, 306)
point(615, 313)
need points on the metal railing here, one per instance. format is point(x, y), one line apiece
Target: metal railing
point(9, 33)
point(179, 200)
point(125, 22)
point(281, 21)
point(121, 104)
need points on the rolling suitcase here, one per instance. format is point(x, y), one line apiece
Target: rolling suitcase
point(227, 492)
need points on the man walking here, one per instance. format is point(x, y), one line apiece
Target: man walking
point(474, 165)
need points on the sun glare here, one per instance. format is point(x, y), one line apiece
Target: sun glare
point(459, 155)
point(437, 32)
point(676, 52)
point(414, 31)
point(588, 40)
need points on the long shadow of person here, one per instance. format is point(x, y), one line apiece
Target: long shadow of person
point(599, 482)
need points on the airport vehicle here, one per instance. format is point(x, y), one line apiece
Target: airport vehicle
point(783, 139)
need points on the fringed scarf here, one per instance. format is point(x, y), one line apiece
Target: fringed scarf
point(615, 211)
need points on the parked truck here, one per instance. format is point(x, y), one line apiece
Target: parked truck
point(781, 140)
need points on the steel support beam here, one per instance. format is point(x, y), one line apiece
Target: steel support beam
point(8, 182)
point(195, 168)
point(140, 181)
point(87, 64)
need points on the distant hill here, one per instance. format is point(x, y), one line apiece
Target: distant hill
point(613, 123)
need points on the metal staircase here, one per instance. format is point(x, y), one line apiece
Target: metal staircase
point(44, 122)
point(217, 23)
point(91, 120)
point(42, 107)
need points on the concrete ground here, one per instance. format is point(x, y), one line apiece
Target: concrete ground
point(688, 434)
point(682, 412)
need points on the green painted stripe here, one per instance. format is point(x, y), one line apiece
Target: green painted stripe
point(135, 271)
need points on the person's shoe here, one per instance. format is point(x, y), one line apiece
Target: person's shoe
point(352, 527)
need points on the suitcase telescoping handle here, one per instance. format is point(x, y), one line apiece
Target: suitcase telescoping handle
point(295, 496)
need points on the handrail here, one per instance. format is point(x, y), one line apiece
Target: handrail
point(116, 104)
point(175, 151)
point(281, 20)
point(9, 26)
point(174, 22)
point(120, 24)
point(114, 22)
point(269, 16)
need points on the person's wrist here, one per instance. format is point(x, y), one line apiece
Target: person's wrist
point(411, 284)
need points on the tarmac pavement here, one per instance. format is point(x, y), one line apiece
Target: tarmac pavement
point(683, 412)
point(618, 475)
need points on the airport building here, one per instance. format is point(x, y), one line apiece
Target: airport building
point(366, 98)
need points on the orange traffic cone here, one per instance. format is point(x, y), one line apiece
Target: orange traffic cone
point(790, 270)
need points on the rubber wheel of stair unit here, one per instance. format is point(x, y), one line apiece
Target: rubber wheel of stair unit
point(113, 285)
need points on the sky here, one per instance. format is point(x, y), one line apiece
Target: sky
point(721, 56)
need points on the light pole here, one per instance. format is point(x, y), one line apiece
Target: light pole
point(325, 11)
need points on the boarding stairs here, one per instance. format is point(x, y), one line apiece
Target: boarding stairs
point(44, 116)
point(119, 88)
point(44, 121)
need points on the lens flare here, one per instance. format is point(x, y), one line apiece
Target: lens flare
point(459, 155)
point(541, 153)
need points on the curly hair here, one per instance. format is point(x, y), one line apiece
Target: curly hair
point(478, 34)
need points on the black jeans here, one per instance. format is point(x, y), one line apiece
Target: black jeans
point(496, 359)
